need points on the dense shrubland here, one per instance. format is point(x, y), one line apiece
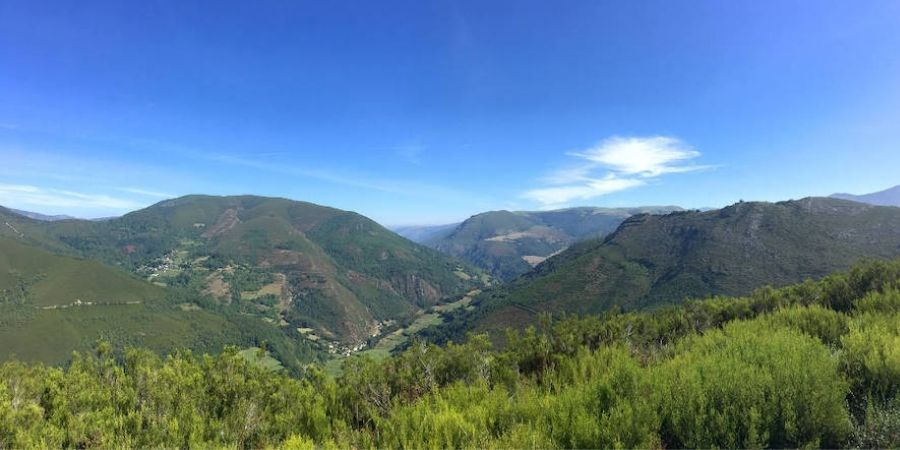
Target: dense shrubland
point(816, 364)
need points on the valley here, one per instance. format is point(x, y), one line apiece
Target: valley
point(382, 345)
point(322, 292)
point(283, 266)
point(654, 260)
point(287, 296)
point(508, 244)
point(502, 225)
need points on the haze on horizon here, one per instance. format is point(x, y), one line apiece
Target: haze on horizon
point(428, 112)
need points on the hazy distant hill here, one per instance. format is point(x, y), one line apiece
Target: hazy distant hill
point(887, 197)
point(423, 233)
point(42, 217)
point(657, 259)
point(291, 263)
point(508, 244)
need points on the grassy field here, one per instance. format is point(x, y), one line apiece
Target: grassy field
point(260, 358)
point(55, 280)
point(273, 288)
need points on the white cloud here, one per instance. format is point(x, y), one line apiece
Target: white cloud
point(559, 196)
point(614, 165)
point(646, 157)
point(27, 196)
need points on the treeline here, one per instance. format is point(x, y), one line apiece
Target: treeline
point(812, 365)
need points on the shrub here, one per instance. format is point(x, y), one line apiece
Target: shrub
point(749, 386)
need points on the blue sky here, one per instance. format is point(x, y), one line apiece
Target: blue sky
point(427, 112)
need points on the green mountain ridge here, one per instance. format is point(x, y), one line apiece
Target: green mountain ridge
point(298, 264)
point(651, 260)
point(508, 244)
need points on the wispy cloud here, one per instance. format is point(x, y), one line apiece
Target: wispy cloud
point(558, 196)
point(614, 165)
point(26, 196)
point(322, 175)
point(406, 188)
point(146, 193)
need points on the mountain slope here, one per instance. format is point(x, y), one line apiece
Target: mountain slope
point(887, 197)
point(508, 244)
point(297, 263)
point(652, 260)
point(52, 305)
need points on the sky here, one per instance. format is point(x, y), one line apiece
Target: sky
point(426, 112)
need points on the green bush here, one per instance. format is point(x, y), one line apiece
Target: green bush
point(879, 302)
point(827, 325)
point(750, 386)
point(604, 401)
point(872, 354)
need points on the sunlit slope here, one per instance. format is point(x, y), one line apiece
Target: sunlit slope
point(54, 280)
point(343, 273)
point(508, 244)
point(54, 304)
point(653, 260)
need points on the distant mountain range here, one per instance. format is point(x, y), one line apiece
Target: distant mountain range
point(423, 233)
point(283, 265)
point(41, 217)
point(658, 259)
point(887, 197)
point(508, 244)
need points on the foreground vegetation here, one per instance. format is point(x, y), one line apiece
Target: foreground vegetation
point(815, 364)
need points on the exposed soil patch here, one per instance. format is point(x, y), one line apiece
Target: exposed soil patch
point(216, 286)
point(226, 221)
point(535, 260)
point(543, 233)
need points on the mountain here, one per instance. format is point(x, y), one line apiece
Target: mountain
point(52, 305)
point(652, 260)
point(508, 244)
point(887, 197)
point(424, 233)
point(332, 273)
point(39, 216)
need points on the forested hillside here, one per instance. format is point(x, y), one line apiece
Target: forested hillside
point(52, 305)
point(510, 243)
point(293, 263)
point(651, 260)
point(810, 365)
